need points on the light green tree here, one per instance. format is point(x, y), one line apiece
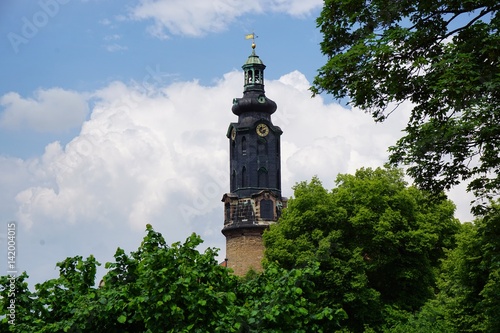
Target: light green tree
point(158, 288)
point(161, 288)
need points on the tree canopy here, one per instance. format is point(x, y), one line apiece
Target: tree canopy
point(470, 279)
point(371, 255)
point(161, 288)
point(378, 242)
point(158, 288)
point(444, 58)
point(468, 284)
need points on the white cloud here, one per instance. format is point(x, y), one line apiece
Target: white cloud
point(112, 37)
point(198, 17)
point(295, 7)
point(105, 21)
point(160, 156)
point(51, 110)
point(115, 47)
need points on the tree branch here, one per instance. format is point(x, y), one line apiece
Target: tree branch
point(471, 22)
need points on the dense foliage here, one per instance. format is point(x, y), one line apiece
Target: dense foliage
point(470, 281)
point(379, 243)
point(444, 58)
point(161, 288)
point(371, 255)
point(469, 284)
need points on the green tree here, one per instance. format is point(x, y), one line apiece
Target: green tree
point(378, 242)
point(158, 288)
point(444, 58)
point(279, 300)
point(429, 319)
point(470, 281)
point(161, 288)
point(52, 307)
point(174, 289)
point(14, 290)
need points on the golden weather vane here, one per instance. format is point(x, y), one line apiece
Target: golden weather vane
point(252, 36)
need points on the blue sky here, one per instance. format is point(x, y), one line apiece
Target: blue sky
point(83, 45)
point(113, 114)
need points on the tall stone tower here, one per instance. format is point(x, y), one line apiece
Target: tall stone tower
point(254, 201)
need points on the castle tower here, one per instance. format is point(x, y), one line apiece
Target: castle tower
point(254, 201)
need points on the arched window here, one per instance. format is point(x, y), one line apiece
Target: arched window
point(250, 76)
point(233, 148)
point(243, 146)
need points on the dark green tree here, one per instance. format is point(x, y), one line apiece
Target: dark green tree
point(470, 281)
point(444, 58)
point(378, 242)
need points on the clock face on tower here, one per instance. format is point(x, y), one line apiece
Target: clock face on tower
point(262, 129)
point(233, 134)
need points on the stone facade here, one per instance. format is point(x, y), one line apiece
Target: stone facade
point(244, 249)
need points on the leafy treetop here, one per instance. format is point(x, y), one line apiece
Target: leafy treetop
point(443, 57)
point(378, 242)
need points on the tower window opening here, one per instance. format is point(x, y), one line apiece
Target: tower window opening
point(250, 78)
point(243, 146)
